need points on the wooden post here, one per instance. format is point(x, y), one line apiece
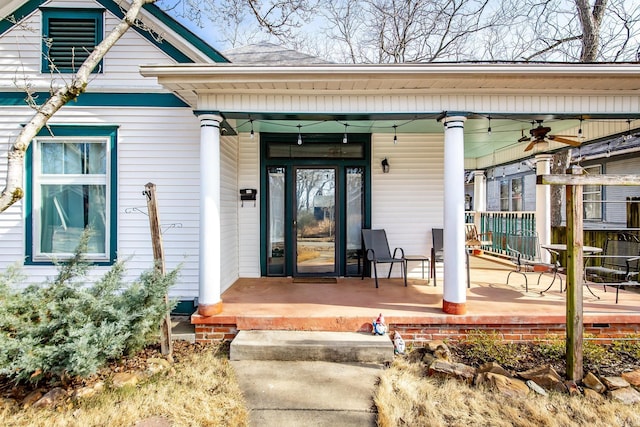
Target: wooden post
point(158, 260)
point(575, 277)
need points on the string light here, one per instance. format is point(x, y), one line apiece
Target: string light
point(580, 135)
point(299, 135)
point(395, 134)
point(489, 128)
point(251, 135)
point(628, 135)
point(344, 138)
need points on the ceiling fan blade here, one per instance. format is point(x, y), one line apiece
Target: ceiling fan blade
point(571, 142)
point(531, 145)
point(523, 139)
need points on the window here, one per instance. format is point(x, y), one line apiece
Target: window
point(69, 36)
point(72, 176)
point(592, 196)
point(511, 197)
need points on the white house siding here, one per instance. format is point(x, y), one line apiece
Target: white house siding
point(20, 57)
point(407, 202)
point(163, 150)
point(228, 211)
point(617, 212)
point(249, 215)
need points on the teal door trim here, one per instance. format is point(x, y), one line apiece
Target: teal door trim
point(288, 164)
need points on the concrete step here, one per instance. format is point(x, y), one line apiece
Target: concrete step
point(343, 347)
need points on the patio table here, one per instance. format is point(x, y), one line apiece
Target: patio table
point(420, 258)
point(561, 247)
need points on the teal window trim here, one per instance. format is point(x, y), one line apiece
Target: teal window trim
point(48, 13)
point(87, 131)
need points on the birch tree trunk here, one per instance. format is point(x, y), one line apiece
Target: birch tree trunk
point(13, 190)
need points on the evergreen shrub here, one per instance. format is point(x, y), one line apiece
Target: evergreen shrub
point(69, 326)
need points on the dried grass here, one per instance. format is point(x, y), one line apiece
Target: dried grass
point(407, 397)
point(201, 392)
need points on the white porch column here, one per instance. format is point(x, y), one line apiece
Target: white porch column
point(479, 191)
point(543, 204)
point(455, 278)
point(209, 300)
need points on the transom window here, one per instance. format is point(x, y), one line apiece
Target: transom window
point(69, 36)
point(71, 192)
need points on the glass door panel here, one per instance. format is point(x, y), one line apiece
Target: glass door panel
point(315, 221)
point(276, 229)
point(355, 218)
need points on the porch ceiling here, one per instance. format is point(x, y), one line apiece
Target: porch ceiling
point(374, 98)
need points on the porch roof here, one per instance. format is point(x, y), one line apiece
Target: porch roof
point(377, 97)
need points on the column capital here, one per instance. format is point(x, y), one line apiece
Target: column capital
point(209, 116)
point(543, 157)
point(454, 121)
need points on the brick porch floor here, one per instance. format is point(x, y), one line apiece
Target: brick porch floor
point(416, 311)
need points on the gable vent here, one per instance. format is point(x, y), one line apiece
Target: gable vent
point(72, 40)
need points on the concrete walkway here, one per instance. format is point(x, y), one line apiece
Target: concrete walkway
point(298, 393)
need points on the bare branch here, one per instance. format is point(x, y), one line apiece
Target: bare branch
point(13, 190)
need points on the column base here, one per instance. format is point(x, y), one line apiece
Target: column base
point(454, 307)
point(207, 310)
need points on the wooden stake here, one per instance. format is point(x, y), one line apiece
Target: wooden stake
point(575, 278)
point(158, 259)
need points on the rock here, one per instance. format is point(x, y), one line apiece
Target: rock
point(53, 397)
point(545, 376)
point(593, 395)
point(495, 368)
point(572, 388)
point(511, 387)
point(614, 383)
point(627, 395)
point(632, 377)
point(432, 346)
point(428, 359)
point(122, 379)
point(156, 365)
point(32, 398)
point(443, 353)
point(156, 421)
point(592, 382)
point(442, 368)
point(536, 388)
point(89, 391)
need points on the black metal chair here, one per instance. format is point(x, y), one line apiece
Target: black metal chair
point(376, 248)
point(437, 250)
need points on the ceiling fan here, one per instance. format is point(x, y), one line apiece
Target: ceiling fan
point(540, 134)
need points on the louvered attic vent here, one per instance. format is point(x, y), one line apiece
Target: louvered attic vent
point(72, 40)
point(70, 35)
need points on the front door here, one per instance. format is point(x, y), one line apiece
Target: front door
point(315, 202)
point(314, 224)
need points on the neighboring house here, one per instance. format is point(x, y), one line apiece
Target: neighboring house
point(384, 146)
point(511, 187)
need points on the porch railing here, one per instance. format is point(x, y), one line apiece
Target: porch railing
point(502, 224)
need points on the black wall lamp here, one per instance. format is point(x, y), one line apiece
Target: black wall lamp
point(385, 165)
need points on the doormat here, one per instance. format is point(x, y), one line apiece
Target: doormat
point(315, 280)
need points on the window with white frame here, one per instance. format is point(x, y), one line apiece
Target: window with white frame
point(71, 192)
point(592, 196)
point(511, 194)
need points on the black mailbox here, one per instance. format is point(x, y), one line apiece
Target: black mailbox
point(248, 194)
